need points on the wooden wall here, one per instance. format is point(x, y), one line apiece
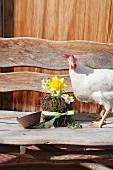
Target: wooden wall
point(6, 18)
point(65, 19)
point(54, 20)
point(1, 19)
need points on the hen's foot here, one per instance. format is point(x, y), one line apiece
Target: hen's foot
point(97, 116)
point(97, 123)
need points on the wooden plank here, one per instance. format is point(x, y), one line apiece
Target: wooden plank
point(103, 20)
point(85, 136)
point(12, 114)
point(82, 19)
point(96, 166)
point(72, 15)
point(50, 15)
point(91, 20)
point(8, 120)
point(1, 18)
point(49, 54)
point(33, 165)
point(27, 81)
point(27, 100)
point(11, 132)
point(61, 155)
point(6, 98)
point(9, 117)
point(8, 18)
point(97, 20)
point(110, 32)
point(71, 156)
point(6, 101)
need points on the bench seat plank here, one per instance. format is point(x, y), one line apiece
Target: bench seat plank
point(8, 120)
point(11, 132)
point(4, 114)
point(58, 136)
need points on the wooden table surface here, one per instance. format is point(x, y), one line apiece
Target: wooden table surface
point(11, 132)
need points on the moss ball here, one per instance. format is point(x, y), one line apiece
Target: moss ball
point(55, 104)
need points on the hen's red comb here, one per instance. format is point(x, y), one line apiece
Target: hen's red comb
point(67, 55)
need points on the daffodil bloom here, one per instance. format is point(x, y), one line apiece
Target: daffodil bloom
point(68, 99)
point(56, 85)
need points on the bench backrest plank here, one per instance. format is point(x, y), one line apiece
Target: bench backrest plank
point(48, 54)
point(27, 81)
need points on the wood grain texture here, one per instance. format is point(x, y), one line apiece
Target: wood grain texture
point(42, 136)
point(35, 165)
point(67, 156)
point(27, 81)
point(95, 166)
point(11, 132)
point(49, 54)
point(67, 20)
point(1, 18)
point(97, 20)
point(7, 28)
point(49, 18)
point(110, 31)
point(63, 19)
point(8, 18)
point(35, 52)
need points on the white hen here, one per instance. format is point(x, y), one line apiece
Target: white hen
point(92, 85)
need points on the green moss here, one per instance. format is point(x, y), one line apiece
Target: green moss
point(55, 104)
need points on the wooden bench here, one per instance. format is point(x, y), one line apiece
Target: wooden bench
point(44, 58)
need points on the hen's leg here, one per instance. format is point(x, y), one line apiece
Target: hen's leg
point(103, 118)
point(102, 112)
point(101, 122)
point(99, 117)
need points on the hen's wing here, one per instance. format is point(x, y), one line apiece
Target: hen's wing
point(100, 80)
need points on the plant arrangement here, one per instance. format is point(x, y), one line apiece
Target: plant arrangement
point(57, 107)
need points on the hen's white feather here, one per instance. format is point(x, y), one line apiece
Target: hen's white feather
point(92, 85)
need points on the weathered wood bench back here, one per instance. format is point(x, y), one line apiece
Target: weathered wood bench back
point(47, 56)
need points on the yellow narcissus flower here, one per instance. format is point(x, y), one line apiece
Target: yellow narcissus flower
point(56, 84)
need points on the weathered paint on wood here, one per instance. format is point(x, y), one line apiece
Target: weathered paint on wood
point(49, 54)
point(27, 81)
